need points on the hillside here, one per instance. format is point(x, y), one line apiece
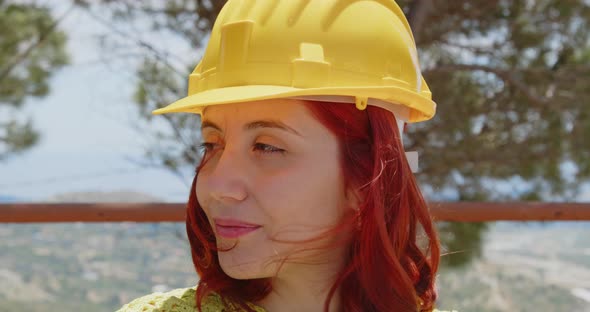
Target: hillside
point(524, 268)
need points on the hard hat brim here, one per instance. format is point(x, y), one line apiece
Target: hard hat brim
point(421, 107)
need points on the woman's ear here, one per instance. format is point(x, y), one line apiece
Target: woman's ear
point(353, 199)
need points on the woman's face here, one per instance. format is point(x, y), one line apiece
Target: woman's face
point(273, 175)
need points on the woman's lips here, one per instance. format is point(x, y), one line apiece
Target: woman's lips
point(229, 228)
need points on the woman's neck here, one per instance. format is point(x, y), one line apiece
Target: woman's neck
point(302, 290)
point(304, 285)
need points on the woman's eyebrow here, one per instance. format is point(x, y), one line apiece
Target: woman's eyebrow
point(270, 124)
point(208, 124)
point(254, 125)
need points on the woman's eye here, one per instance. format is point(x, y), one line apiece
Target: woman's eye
point(207, 147)
point(266, 149)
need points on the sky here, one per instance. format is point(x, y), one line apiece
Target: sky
point(87, 137)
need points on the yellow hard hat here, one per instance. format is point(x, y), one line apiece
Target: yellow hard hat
point(337, 50)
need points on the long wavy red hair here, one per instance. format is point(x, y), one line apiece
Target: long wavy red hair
point(394, 251)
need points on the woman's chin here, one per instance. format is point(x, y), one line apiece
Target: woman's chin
point(241, 268)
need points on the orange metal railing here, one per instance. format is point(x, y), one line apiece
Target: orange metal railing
point(167, 212)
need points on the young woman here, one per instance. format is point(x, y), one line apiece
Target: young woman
point(304, 199)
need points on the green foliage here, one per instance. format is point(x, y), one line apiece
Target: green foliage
point(510, 79)
point(31, 50)
point(18, 136)
point(461, 242)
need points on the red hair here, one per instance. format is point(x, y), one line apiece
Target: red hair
point(386, 270)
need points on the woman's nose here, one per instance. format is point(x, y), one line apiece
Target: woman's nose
point(227, 179)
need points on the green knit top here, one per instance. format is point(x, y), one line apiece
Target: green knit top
point(183, 300)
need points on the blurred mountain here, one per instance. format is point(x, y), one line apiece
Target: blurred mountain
point(9, 199)
point(104, 197)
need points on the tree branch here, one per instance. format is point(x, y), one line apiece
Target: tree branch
point(503, 74)
point(176, 130)
point(419, 11)
point(139, 42)
point(42, 37)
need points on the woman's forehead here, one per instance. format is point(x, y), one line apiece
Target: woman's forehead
point(292, 116)
point(282, 109)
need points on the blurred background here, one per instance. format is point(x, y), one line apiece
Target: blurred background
point(78, 80)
